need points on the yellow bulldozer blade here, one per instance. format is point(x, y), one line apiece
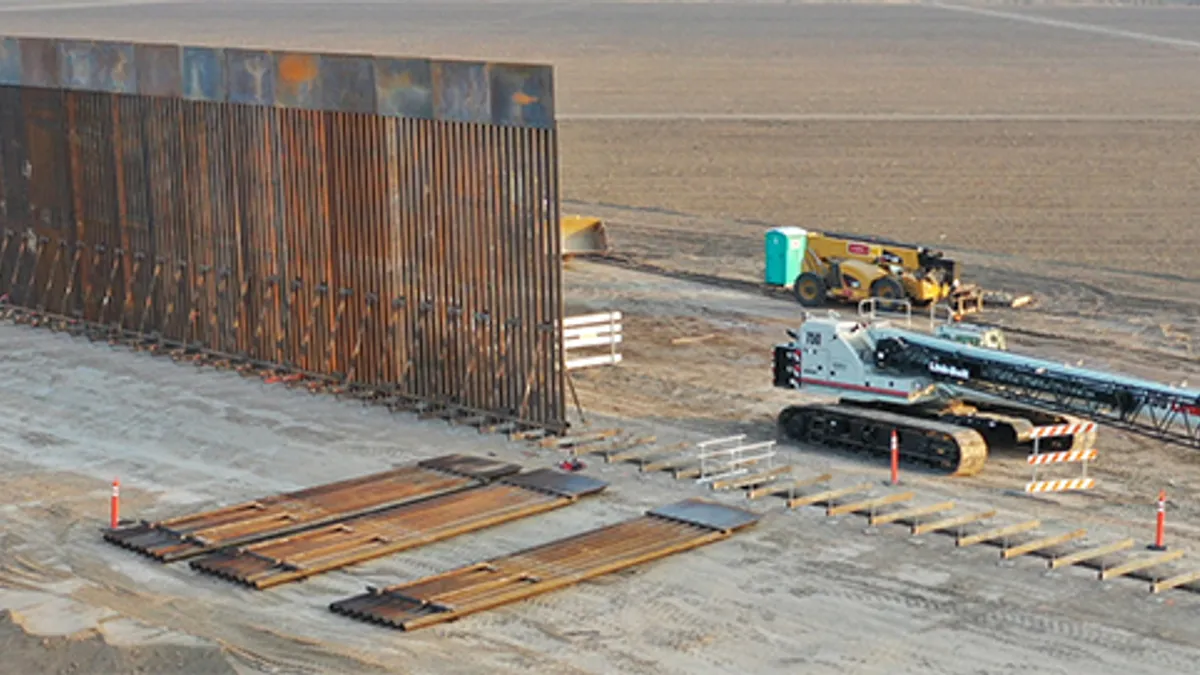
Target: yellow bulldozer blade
point(583, 235)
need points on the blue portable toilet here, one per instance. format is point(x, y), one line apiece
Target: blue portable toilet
point(785, 249)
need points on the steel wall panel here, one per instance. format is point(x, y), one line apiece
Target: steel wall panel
point(10, 62)
point(46, 120)
point(389, 224)
point(298, 80)
point(77, 65)
point(250, 77)
point(98, 67)
point(348, 84)
point(522, 96)
point(462, 91)
point(14, 188)
point(508, 94)
point(159, 70)
point(39, 62)
point(404, 87)
point(203, 74)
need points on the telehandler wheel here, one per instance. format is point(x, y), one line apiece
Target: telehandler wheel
point(809, 290)
point(887, 288)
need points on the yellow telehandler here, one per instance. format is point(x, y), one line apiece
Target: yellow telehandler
point(846, 268)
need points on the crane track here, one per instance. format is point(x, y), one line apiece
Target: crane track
point(957, 450)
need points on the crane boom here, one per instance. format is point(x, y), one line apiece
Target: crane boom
point(1141, 406)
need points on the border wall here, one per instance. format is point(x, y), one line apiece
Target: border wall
point(387, 223)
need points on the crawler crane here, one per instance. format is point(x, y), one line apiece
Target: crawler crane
point(950, 403)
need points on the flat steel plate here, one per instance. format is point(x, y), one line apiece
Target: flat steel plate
point(558, 483)
point(708, 514)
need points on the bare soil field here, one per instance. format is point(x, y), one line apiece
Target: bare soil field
point(798, 592)
point(919, 122)
point(1178, 22)
point(1051, 158)
point(1107, 194)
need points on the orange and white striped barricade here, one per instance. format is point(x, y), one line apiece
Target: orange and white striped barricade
point(1061, 485)
point(1057, 430)
point(1081, 457)
point(1064, 457)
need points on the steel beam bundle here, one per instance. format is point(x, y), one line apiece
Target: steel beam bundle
point(292, 557)
point(474, 588)
point(278, 515)
point(386, 224)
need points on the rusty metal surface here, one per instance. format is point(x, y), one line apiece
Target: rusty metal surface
point(508, 94)
point(39, 62)
point(202, 72)
point(378, 225)
point(277, 515)
point(404, 87)
point(522, 95)
point(474, 588)
point(290, 558)
point(105, 67)
point(471, 466)
point(463, 92)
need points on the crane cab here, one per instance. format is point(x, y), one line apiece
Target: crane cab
point(835, 356)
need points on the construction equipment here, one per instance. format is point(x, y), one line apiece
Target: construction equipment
point(970, 334)
point(583, 236)
point(952, 403)
point(848, 268)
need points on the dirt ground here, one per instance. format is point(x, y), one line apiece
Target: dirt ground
point(1052, 149)
point(799, 591)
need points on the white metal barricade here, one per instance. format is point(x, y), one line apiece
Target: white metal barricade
point(732, 462)
point(593, 332)
point(869, 307)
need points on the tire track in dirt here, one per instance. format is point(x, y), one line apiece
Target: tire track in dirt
point(1056, 299)
point(595, 612)
point(600, 611)
point(646, 240)
point(991, 619)
point(509, 651)
point(681, 627)
point(1104, 31)
point(273, 649)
